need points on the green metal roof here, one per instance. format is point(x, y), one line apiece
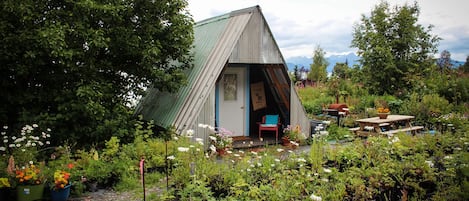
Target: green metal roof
point(214, 39)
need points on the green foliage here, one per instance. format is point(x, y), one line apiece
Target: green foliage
point(76, 66)
point(393, 47)
point(318, 69)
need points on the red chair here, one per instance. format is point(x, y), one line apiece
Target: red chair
point(269, 123)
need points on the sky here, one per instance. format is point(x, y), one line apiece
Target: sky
point(299, 26)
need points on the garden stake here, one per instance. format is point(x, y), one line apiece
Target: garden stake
point(142, 175)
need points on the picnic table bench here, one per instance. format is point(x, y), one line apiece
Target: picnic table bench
point(391, 125)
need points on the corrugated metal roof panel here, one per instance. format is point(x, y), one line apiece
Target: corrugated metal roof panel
point(256, 45)
point(163, 107)
point(212, 68)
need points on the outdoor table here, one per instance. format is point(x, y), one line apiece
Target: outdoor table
point(388, 126)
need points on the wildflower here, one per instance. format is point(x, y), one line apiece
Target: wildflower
point(430, 163)
point(301, 160)
point(236, 155)
point(183, 149)
point(315, 197)
point(277, 160)
point(229, 152)
point(5, 127)
point(190, 132)
point(171, 157)
point(200, 141)
point(213, 148)
point(3, 148)
point(327, 170)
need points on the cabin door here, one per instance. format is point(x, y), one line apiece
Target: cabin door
point(232, 101)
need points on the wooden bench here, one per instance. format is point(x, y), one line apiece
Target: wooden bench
point(412, 129)
point(354, 129)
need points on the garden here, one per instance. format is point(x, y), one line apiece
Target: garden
point(336, 166)
point(70, 140)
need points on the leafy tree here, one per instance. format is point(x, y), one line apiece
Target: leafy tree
point(465, 67)
point(77, 65)
point(340, 70)
point(444, 62)
point(318, 68)
point(392, 47)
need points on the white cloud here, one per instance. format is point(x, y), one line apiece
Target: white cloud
point(300, 25)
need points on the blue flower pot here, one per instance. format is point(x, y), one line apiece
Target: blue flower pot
point(60, 194)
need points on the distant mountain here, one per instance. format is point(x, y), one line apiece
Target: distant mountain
point(333, 59)
point(351, 58)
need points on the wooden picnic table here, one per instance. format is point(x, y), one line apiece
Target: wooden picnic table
point(389, 126)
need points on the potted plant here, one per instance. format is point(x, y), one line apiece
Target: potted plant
point(30, 182)
point(291, 135)
point(383, 112)
point(221, 141)
point(60, 190)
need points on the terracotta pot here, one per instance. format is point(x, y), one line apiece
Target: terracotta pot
point(383, 115)
point(221, 152)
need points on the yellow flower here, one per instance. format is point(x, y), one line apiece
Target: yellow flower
point(383, 110)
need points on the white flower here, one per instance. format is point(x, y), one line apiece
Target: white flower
point(35, 126)
point(190, 132)
point(5, 127)
point(48, 130)
point(171, 157)
point(212, 138)
point(249, 170)
point(191, 146)
point(315, 197)
point(277, 160)
point(5, 141)
point(213, 148)
point(183, 149)
point(241, 151)
point(448, 157)
point(11, 145)
point(200, 141)
point(18, 145)
point(236, 155)
point(327, 170)
point(253, 152)
point(23, 150)
point(31, 162)
point(3, 148)
point(48, 135)
point(430, 163)
point(229, 152)
point(47, 142)
point(175, 138)
point(301, 160)
point(13, 138)
point(279, 150)
point(40, 143)
point(4, 133)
